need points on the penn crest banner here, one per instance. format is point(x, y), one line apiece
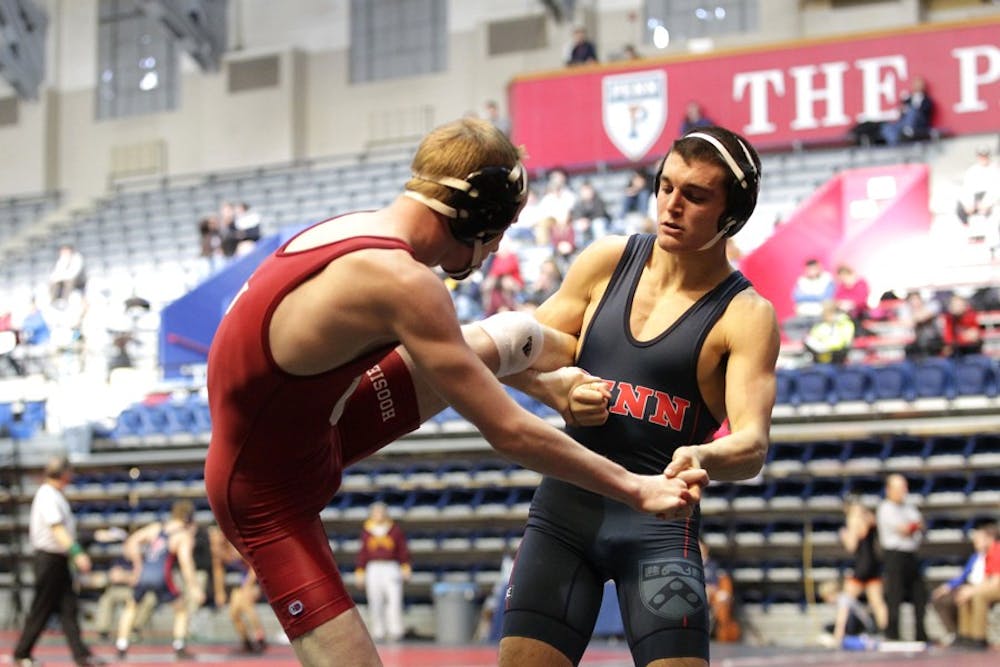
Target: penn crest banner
point(777, 96)
point(634, 110)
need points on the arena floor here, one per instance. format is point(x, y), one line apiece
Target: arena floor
point(52, 652)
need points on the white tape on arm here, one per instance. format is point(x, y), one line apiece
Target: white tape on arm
point(518, 337)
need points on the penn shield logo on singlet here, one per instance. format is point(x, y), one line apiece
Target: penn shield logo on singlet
point(636, 401)
point(671, 588)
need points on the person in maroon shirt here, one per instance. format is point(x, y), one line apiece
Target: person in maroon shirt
point(851, 293)
point(383, 565)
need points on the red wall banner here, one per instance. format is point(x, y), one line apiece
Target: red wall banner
point(805, 92)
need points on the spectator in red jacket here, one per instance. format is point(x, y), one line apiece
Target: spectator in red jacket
point(961, 330)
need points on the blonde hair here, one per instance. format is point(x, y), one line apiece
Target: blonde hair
point(182, 510)
point(457, 149)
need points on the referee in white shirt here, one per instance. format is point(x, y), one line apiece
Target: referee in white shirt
point(53, 538)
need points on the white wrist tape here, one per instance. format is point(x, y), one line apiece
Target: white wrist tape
point(518, 337)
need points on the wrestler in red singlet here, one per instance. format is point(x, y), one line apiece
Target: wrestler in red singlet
point(280, 442)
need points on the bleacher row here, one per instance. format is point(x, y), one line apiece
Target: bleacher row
point(966, 381)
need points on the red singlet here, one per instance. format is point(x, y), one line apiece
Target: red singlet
point(278, 451)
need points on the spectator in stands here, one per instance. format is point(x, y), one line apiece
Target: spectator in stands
point(210, 238)
point(629, 52)
point(635, 202)
point(946, 596)
point(34, 337)
point(719, 593)
point(618, 290)
point(68, 275)
point(8, 343)
point(923, 318)
point(52, 533)
point(812, 289)
point(383, 565)
point(975, 600)
point(961, 332)
point(859, 537)
point(525, 228)
point(246, 225)
point(153, 550)
point(491, 112)
point(242, 598)
point(562, 237)
point(694, 117)
point(979, 194)
point(546, 283)
point(559, 198)
point(829, 340)
point(582, 50)
point(852, 623)
point(916, 109)
point(116, 595)
point(851, 293)
point(501, 288)
point(227, 229)
point(359, 293)
point(589, 215)
point(900, 532)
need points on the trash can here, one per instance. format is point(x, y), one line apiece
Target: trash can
point(455, 612)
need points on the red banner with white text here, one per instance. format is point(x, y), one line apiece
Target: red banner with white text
point(807, 92)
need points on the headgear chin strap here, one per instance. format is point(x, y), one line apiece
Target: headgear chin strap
point(484, 205)
point(722, 232)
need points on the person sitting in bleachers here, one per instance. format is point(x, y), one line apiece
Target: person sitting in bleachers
point(922, 317)
point(635, 201)
point(546, 283)
point(916, 109)
point(851, 293)
point(975, 601)
point(946, 596)
point(961, 333)
point(980, 189)
point(68, 274)
point(829, 340)
point(812, 289)
point(589, 215)
point(501, 288)
point(246, 225)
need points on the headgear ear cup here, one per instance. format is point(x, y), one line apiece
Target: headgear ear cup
point(742, 196)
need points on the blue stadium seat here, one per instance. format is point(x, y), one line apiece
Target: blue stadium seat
point(933, 378)
point(868, 489)
point(854, 382)
point(893, 381)
point(904, 451)
point(827, 455)
point(787, 457)
point(864, 454)
point(787, 493)
point(133, 422)
point(784, 532)
point(984, 450)
point(825, 493)
point(946, 489)
point(975, 376)
point(815, 384)
point(985, 489)
point(785, 385)
point(946, 451)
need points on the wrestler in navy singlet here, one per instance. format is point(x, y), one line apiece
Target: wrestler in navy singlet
point(575, 540)
point(157, 571)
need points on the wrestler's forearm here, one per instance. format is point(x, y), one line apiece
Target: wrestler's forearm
point(735, 457)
